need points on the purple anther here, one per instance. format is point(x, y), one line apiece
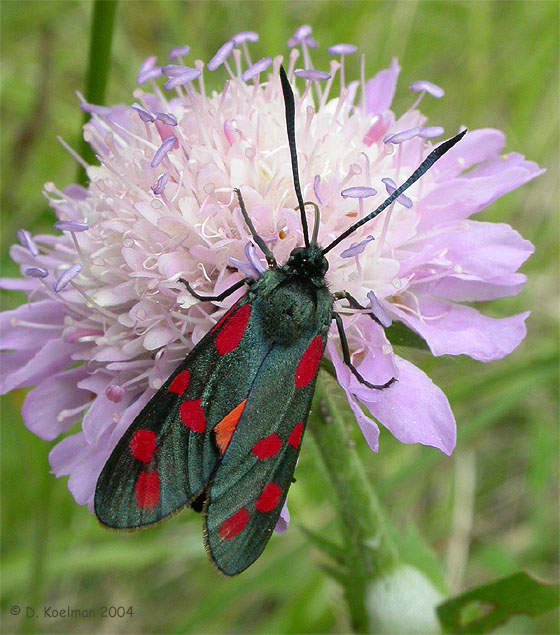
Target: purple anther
point(92, 109)
point(221, 55)
point(245, 36)
point(430, 131)
point(358, 192)
point(36, 272)
point(172, 70)
point(378, 311)
point(401, 137)
point(183, 78)
point(256, 68)
point(167, 118)
point(251, 254)
point(311, 74)
point(244, 267)
point(423, 85)
point(302, 35)
point(158, 188)
point(311, 42)
point(27, 241)
point(179, 51)
point(147, 64)
point(391, 186)
point(77, 192)
point(316, 182)
point(66, 276)
point(114, 393)
point(162, 151)
point(154, 73)
point(356, 249)
point(342, 49)
point(143, 114)
point(70, 226)
point(302, 32)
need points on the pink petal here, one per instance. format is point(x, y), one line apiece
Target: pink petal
point(10, 363)
point(344, 377)
point(18, 284)
point(475, 147)
point(453, 329)
point(74, 456)
point(284, 521)
point(485, 250)
point(43, 404)
point(52, 358)
point(380, 89)
point(466, 195)
point(102, 413)
point(377, 362)
point(14, 335)
point(415, 410)
point(468, 288)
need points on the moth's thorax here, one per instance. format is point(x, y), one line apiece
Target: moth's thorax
point(307, 262)
point(292, 303)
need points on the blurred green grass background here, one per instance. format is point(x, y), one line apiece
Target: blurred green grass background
point(498, 63)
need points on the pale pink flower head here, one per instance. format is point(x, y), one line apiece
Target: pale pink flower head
point(107, 320)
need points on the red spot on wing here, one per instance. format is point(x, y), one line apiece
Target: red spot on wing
point(234, 524)
point(146, 489)
point(232, 331)
point(142, 445)
point(295, 436)
point(269, 499)
point(309, 362)
point(267, 447)
point(192, 415)
point(180, 383)
point(226, 427)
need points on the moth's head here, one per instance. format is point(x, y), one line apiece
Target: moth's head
point(308, 261)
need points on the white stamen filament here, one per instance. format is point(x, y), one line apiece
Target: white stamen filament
point(64, 414)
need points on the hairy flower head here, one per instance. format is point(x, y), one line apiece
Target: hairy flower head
point(107, 319)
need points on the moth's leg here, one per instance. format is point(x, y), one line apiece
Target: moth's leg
point(346, 357)
point(214, 298)
point(344, 295)
point(270, 259)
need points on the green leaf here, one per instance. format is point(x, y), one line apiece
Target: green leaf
point(483, 608)
point(400, 335)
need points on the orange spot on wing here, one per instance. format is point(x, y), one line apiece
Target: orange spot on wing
point(227, 425)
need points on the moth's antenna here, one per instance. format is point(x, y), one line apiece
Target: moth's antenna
point(291, 126)
point(423, 167)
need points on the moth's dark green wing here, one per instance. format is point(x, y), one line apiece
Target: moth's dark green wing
point(251, 483)
point(166, 458)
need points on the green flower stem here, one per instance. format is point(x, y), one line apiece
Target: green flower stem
point(98, 66)
point(368, 549)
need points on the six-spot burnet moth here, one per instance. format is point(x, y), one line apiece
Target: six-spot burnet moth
point(223, 434)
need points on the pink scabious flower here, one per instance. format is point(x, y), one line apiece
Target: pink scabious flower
point(107, 320)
